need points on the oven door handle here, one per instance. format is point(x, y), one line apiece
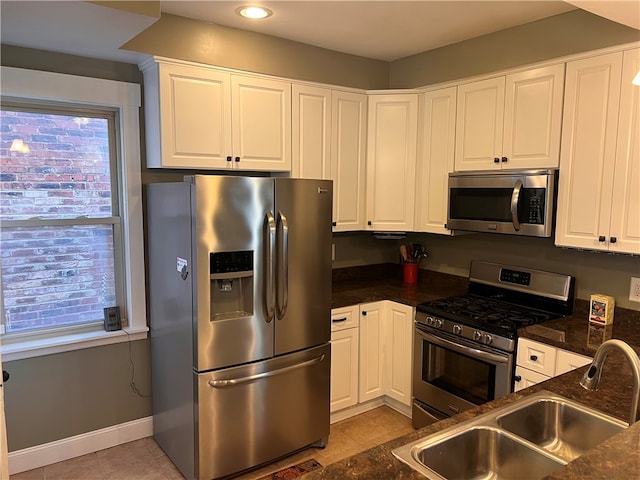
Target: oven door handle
point(456, 347)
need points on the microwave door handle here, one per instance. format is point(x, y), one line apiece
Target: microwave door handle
point(270, 244)
point(456, 347)
point(515, 198)
point(283, 265)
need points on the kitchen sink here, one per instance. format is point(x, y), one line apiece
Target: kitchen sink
point(526, 439)
point(485, 452)
point(561, 428)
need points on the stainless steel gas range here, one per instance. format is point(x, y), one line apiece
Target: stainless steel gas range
point(464, 347)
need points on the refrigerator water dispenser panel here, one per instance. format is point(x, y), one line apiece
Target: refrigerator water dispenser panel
point(231, 289)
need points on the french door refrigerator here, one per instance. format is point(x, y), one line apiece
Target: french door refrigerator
point(240, 299)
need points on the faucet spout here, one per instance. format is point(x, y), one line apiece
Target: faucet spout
point(592, 377)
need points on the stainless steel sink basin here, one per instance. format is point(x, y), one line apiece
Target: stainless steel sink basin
point(560, 428)
point(485, 452)
point(526, 439)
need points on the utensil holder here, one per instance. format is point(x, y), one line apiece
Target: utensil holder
point(410, 272)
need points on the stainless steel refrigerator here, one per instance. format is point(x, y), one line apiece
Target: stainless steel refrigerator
point(240, 299)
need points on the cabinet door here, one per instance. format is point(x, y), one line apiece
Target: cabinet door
point(371, 366)
point(311, 135)
point(398, 351)
point(587, 158)
point(195, 118)
point(391, 162)
point(348, 144)
point(261, 112)
point(436, 159)
point(526, 378)
point(625, 210)
point(532, 118)
point(567, 361)
point(344, 369)
point(479, 124)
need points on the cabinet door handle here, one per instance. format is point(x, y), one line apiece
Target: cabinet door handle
point(517, 378)
point(496, 160)
point(601, 238)
point(334, 224)
point(237, 159)
point(613, 239)
point(229, 158)
point(339, 320)
point(534, 358)
point(369, 223)
point(505, 159)
point(364, 314)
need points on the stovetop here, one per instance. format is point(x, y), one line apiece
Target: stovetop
point(488, 314)
point(500, 300)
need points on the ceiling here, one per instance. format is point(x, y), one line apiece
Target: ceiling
point(385, 30)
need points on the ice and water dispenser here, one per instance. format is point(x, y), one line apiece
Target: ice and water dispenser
point(231, 285)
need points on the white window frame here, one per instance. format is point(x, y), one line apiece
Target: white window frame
point(125, 98)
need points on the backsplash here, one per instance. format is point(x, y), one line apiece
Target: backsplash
point(594, 272)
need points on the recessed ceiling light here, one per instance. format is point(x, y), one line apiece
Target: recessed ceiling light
point(254, 12)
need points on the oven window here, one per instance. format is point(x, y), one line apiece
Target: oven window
point(461, 375)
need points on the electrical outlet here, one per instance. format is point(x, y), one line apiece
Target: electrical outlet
point(634, 289)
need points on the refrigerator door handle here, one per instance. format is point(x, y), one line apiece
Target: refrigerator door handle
point(283, 265)
point(250, 378)
point(270, 243)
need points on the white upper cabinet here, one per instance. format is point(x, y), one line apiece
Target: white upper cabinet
point(435, 159)
point(188, 113)
point(510, 122)
point(311, 136)
point(625, 202)
point(261, 115)
point(348, 159)
point(599, 183)
point(329, 142)
point(203, 118)
point(391, 161)
point(479, 121)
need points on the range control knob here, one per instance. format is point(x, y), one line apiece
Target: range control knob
point(477, 336)
point(430, 321)
point(457, 329)
point(488, 339)
point(437, 322)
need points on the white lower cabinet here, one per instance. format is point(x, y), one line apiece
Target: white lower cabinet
point(344, 357)
point(537, 362)
point(371, 354)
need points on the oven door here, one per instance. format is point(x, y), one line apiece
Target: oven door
point(451, 375)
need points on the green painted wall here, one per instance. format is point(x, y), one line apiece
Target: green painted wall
point(569, 33)
point(186, 39)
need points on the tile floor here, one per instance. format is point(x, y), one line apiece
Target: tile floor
point(144, 460)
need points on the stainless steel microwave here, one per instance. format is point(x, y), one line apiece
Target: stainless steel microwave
point(520, 202)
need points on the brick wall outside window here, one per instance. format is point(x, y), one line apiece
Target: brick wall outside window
point(55, 275)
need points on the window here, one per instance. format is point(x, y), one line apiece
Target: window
point(59, 212)
point(70, 212)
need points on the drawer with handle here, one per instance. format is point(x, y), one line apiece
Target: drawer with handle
point(345, 317)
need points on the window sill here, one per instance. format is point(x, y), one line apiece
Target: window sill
point(67, 343)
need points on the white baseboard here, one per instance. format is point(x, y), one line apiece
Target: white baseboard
point(60, 450)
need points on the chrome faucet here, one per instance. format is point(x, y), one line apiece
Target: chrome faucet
point(591, 379)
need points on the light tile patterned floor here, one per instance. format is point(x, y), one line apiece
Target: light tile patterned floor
point(144, 460)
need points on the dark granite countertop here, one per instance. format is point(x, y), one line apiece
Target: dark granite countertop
point(372, 283)
point(618, 457)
